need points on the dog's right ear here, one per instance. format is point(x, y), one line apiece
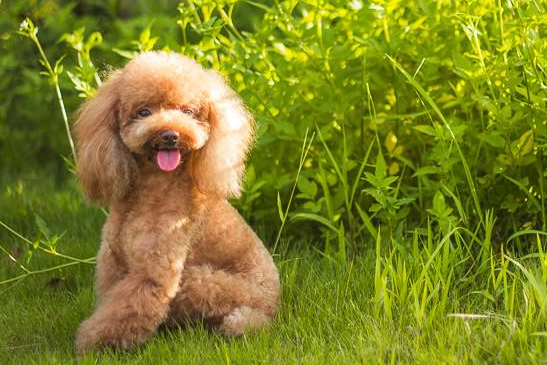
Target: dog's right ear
point(105, 166)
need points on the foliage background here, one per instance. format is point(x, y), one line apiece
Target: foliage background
point(382, 152)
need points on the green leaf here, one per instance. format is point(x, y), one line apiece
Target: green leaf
point(371, 179)
point(307, 187)
point(145, 35)
point(125, 53)
point(493, 139)
point(427, 129)
point(366, 221)
point(426, 170)
point(381, 168)
point(42, 226)
point(314, 217)
point(280, 208)
point(439, 203)
point(386, 182)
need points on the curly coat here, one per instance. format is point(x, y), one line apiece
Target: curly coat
point(173, 249)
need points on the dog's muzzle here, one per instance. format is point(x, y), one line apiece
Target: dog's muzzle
point(167, 150)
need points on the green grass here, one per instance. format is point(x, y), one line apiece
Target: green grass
point(431, 300)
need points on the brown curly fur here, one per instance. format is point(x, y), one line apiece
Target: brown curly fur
point(173, 248)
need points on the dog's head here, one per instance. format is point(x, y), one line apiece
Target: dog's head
point(166, 111)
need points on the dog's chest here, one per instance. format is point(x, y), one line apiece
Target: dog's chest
point(148, 228)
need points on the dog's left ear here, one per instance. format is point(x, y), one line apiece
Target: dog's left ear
point(217, 168)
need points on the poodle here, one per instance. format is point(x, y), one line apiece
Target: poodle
point(163, 144)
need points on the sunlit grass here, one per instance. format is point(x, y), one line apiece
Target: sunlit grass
point(455, 298)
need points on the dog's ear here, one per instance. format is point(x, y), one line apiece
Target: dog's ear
point(218, 167)
point(105, 166)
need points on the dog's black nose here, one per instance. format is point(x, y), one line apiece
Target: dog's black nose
point(169, 137)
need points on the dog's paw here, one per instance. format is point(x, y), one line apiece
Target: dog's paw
point(96, 333)
point(243, 319)
point(87, 337)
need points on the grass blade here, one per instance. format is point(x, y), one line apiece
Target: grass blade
point(425, 95)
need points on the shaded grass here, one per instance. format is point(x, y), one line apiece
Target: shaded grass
point(331, 312)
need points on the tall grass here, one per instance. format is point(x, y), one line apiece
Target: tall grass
point(456, 297)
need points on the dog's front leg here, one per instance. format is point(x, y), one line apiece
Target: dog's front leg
point(135, 306)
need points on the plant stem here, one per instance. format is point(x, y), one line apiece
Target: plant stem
point(90, 260)
point(303, 155)
point(55, 80)
point(28, 273)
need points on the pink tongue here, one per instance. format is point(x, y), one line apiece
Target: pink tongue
point(168, 160)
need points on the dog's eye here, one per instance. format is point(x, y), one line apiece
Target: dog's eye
point(187, 111)
point(143, 113)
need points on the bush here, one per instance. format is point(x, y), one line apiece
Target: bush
point(419, 111)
